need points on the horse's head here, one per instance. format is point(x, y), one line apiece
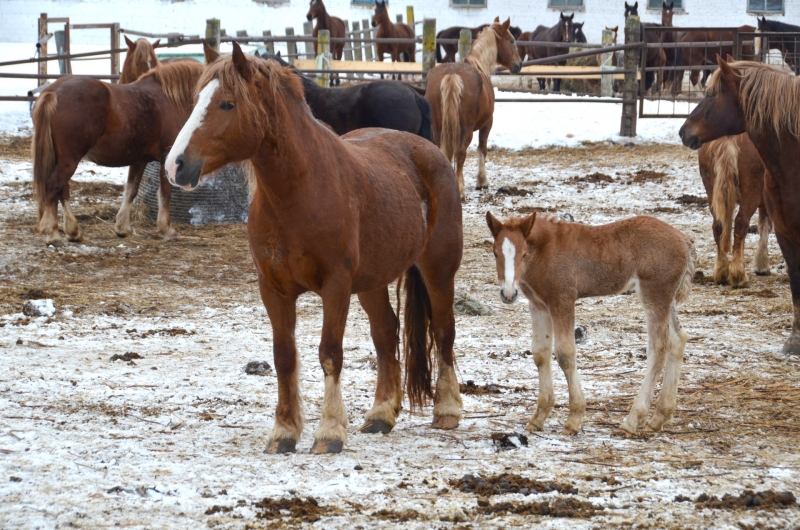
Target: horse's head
point(507, 52)
point(315, 9)
point(720, 113)
point(565, 27)
point(577, 32)
point(763, 25)
point(666, 13)
point(510, 250)
point(515, 32)
point(380, 14)
point(140, 57)
point(613, 30)
point(231, 118)
point(632, 10)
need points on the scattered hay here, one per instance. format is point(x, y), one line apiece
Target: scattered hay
point(594, 178)
point(15, 147)
point(397, 516)
point(466, 304)
point(747, 500)
point(509, 483)
point(127, 357)
point(470, 388)
point(560, 507)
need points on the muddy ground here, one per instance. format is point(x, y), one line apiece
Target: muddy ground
point(171, 432)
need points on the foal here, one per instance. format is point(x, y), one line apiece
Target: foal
point(555, 263)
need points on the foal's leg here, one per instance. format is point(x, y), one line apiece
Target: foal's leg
point(563, 317)
point(288, 425)
point(668, 397)
point(737, 275)
point(542, 348)
point(762, 252)
point(384, 329)
point(483, 140)
point(331, 433)
point(123, 224)
point(58, 181)
point(164, 196)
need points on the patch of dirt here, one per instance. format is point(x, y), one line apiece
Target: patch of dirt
point(647, 175)
point(218, 509)
point(128, 356)
point(664, 209)
point(509, 483)
point(513, 191)
point(397, 516)
point(509, 440)
point(15, 147)
point(257, 368)
point(560, 507)
point(594, 178)
point(764, 293)
point(747, 500)
point(305, 510)
point(692, 200)
point(470, 388)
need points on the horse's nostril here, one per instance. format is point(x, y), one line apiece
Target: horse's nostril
point(179, 162)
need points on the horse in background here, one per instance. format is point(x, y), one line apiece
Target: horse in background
point(140, 58)
point(389, 30)
point(561, 32)
point(788, 46)
point(384, 104)
point(451, 50)
point(462, 98)
point(556, 263)
point(699, 54)
point(732, 173)
point(656, 57)
point(764, 102)
point(524, 50)
point(111, 125)
point(632, 10)
point(334, 25)
point(667, 12)
point(365, 210)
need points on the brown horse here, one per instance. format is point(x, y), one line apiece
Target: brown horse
point(656, 57)
point(524, 50)
point(389, 30)
point(733, 172)
point(555, 263)
point(454, 32)
point(700, 54)
point(462, 97)
point(324, 21)
point(366, 209)
point(110, 125)
point(561, 32)
point(764, 102)
point(140, 58)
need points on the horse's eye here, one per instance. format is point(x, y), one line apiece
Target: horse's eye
point(226, 105)
point(525, 255)
point(709, 96)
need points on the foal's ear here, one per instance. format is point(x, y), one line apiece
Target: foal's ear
point(130, 43)
point(210, 53)
point(240, 62)
point(506, 25)
point(494, 224)
point(728, 75)
point(496, 20)
point(156, 43)
point(527, 225)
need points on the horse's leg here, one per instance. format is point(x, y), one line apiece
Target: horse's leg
point(461, 157)
point(556, 85)
point(59, 179)
point(483, 150)
point(164, 195)
point(668, 397)
point(563, 316)
point(71, 228)
point(542, 348)
point(541, 82)
point(123, 224)
point(384, 329)
point(331, 433)
point(791, 253)
point(288, 425)
point(722, 236)
point(762, 252)
point(737, 275)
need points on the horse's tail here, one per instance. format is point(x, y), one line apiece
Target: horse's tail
point(685, 286)
point(724, 161)
point(451, 87)
point(43, 154)
point(418, 339)
point(426, 127)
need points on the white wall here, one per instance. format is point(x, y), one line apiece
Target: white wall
point(18, 18)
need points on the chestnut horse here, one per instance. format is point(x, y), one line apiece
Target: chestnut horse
point(555, 263)
point(733, 172)
point(561, 32)
point(700, 54)
point(140, 58)
point(324, 21)
point(364, 210)
point(389, 30)
point(764, 102)
point(454, 32)
point(462, 97)
point(110, 125)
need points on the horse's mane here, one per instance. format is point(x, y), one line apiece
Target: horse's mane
point(483, 55)
point(777, 25)
point(768, 96)
point(178, 81)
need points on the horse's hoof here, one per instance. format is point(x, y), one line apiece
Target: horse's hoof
point(376, 427)
point(628, 429)
point(284, 445)
point(56, 243)
point(445, 422)
point(322, 447)
point(534, 427)
point(569, 431)
point(76, 239)
point(482, 187)
point(764, 273)
point(122, 234)
point(792, 345)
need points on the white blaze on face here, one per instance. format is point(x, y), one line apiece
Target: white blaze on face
point(193, 123)
point(509, 251)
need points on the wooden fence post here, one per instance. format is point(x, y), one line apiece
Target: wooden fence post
point(357, 53)
point(213, 33)
point(347, 53)
point(62, 64)
point(369, 50)
point(324, 49)
point(43, 47)
point(464, 44)
point(410, 16)
point(115, 46)
point(270, 46)
point(308, 28)
point(291, 47)
point(399, 18)
point(428, 44)
point(607, 81)
point(630, 85)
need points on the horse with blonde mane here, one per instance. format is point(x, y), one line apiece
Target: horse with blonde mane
point(462, 97)
point(368, 208)
point(141, 58)
point(732, 173)
point(764, 102)
point(111, 125)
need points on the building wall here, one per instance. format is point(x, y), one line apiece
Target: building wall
point(18, 17)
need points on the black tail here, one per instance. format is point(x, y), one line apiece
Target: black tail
point(406, 57)
point(418, 342)
point(426, 128)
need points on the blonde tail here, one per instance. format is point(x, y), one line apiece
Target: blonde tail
point(42, 151)
point(451, 87)
point(724, 154)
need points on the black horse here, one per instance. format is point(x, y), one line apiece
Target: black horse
point(577, 32)
point(386, 104)
point(454, 32)
point(789, 45)
point(562, 32)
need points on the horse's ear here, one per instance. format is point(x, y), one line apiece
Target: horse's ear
point(156, 43)
point(572, 16)
point(257, 54)
point(240, 62)
point(494, 224)
point(278, 54)
point(527, 225)
point(130, 43)
point(562, 16)
point(210, 53)
point(730, 58)
point(636, 5)
point(506, 25)
point(496, 20)
point(727, 73)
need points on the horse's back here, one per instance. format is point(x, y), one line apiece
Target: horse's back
point(82, 110)
point(477, 94)
point(390, 105)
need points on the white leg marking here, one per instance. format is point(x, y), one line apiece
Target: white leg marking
point(509, 251)
point(194, 122)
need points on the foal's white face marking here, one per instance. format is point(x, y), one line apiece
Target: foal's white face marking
point(192, 124)
point(509, 286)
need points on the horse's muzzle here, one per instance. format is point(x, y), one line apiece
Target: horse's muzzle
point(374, 24)
point(689, 140)
point(516, 68)
point(309, 17)
point(508, 300)
point(187, 173)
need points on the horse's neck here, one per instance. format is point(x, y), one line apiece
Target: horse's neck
point(481, 58)
point(318, 98)
point(386, 24)
point(323, 19)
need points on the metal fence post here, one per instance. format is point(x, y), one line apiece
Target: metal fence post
point(62, 66)
point(324, 49)
point(369, 51)
point(213, 33)
point(291, 47)
point(399, 18)
point(607, 81)
point(428, 44)
point(308, 28)
point(270, 46)
point(464, 44)
point(43, 46)
point(115, 46)
point(633, 32)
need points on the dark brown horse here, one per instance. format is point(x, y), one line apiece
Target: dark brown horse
point(789, 45)
point(668, 37)
point(363, 211)
point(732, 173)
point(764, 102)
point(561, 32)
point(454, 32)
point(324, 21)
point(389, 30)
point(699, 54)
point(524, 50)
point(110, 125)
point(656, 57)
point(462, 97)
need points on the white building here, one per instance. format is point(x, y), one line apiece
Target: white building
point(18, 18)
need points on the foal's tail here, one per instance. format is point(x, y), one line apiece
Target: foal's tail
point(426, 127)
point(43, 153)
point(451, 87)
point(724, 161)
point(688, 275)
point(418, 339)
